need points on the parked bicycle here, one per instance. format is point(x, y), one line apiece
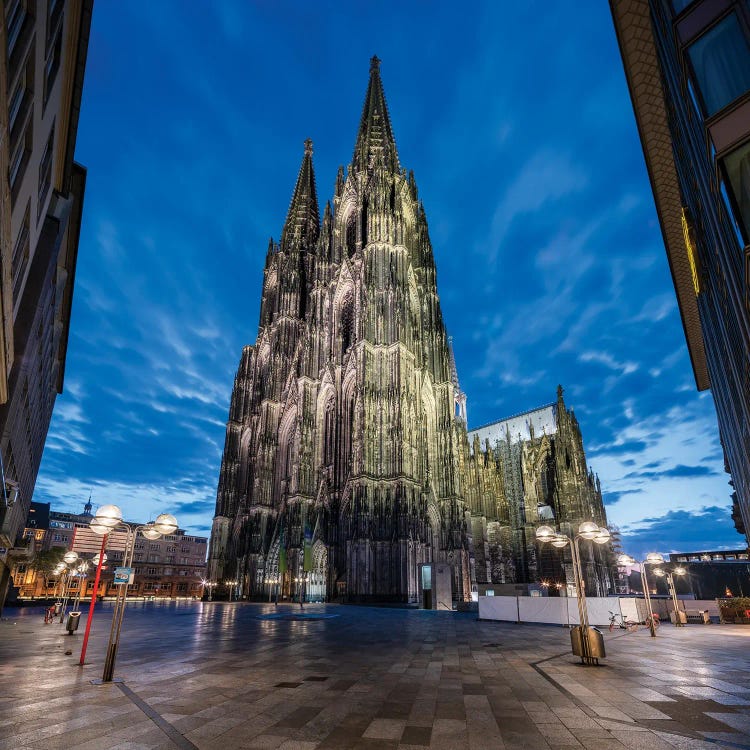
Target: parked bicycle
point(618, 621)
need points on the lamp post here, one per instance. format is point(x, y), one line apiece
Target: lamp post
point(108, 519)
point(652, 558)
point(588, 530)
point(207, 585)
point(80, 573)
point(231, 585)
point(99, 559)
point(669, 575)
point(70, 559)
point(59, 572)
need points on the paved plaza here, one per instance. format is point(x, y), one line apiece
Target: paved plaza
point(219, 676)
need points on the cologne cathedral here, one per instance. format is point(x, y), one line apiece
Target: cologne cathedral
point(347, 459)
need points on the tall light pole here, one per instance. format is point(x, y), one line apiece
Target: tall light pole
point(80, 573)
point(652, 558)
point(99, 559)
point(207, 585)
point(231, 585)
point(669, 575)
point(70, 558)
point(590, 531)
point(108, 519)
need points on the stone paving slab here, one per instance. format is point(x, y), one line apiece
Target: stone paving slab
point(217, 676)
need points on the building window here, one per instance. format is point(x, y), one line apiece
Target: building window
point(721, 61)
point(680, 5)
point(20, 159)
point(52, 65)
point(737, 168)
point(54, 13)
point(45, 172)
point(20, 258)
point(15, 16)
point(15, 101)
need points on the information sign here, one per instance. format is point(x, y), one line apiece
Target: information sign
point(124, 575)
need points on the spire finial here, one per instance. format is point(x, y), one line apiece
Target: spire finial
point(375, 144)
point(308, 147)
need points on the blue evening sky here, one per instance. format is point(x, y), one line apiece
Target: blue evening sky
point(516, 120)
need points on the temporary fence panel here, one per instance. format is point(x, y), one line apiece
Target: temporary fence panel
point(498, 608)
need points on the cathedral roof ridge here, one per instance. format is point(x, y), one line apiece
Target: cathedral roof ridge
point(375, 141)
point(513, 416)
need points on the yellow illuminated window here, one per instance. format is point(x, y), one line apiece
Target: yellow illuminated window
point(687, 231)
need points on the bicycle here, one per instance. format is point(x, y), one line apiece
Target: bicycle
point(622, 623)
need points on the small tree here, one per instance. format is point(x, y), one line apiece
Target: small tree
point(46, 561)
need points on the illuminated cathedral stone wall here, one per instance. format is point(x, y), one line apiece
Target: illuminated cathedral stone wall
point(346, 428)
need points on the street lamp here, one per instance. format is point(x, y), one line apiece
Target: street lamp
point(208, 585)
point(670, 574)
point(652, 558)
point(70, 558)
point(108, 518)
point(98, 561)
point(590, 531)
point(80, 572)
point(231, 585)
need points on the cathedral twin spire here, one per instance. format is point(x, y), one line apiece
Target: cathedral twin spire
point(375, 143)
point(303, 220)
point(375, 146)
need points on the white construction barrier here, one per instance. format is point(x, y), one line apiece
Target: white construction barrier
point(548, 609)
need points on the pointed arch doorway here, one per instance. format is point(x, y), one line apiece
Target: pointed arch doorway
point(317, 585)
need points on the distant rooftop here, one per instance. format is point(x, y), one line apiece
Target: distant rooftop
point(543, 419)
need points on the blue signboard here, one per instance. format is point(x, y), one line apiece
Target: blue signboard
point(124, 575)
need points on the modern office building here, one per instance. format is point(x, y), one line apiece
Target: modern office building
point(710, 574)
point(43, 46)
point(687, 65)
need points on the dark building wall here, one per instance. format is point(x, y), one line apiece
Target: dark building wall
point(44, 48)
point(688, 69)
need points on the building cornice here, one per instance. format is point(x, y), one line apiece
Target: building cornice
point(632, 20)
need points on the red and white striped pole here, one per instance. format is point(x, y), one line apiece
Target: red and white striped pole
point(93, 600)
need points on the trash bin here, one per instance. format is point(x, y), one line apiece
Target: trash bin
point(594, 643)
point(72, 624)
point(58, 607)
point(705, 616)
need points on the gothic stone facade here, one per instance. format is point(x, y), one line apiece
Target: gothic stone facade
point(346, 423)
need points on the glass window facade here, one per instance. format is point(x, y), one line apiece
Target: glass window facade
point(721, 61)
point(680, 5)
point(737, 168)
